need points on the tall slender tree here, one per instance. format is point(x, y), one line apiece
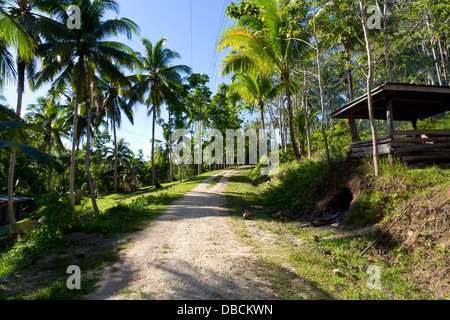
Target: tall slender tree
point(24, 26)
point(321, 93)
point(369, 77)
point(47, 115)
point(261, 43)
point(77, 56)
point(114, 104)
point(156, 83)
point(254, 89)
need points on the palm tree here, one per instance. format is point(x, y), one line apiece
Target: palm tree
point(47, 116)
point(156, 83)
point(77, 56)
point(7, 68)
point(254, 89)
point(23, 28)
point(13, 35)
point(167, 146)
point(120, 154)
point(114, 104)
point(259, 44)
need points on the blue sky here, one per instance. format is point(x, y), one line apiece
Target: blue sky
point(170, 19)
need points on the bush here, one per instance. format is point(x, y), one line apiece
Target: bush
point(300, 188)
point(118, 219)
point(159, 198)
point(55, 210)
point(30, 246)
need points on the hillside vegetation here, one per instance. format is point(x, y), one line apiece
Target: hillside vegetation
point(413, 256)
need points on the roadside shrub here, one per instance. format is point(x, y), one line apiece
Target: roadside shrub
point(158, 198)
point(299, 189)
point(119, 219)
point(29, 246)
point(55, 210)
point(56, 213)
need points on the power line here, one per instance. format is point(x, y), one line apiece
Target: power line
point(221, 26)
point(192, 35)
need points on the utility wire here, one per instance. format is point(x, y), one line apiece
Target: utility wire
point(192, 35)
point(222, 23)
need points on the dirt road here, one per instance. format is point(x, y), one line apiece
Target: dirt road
point(190, 252)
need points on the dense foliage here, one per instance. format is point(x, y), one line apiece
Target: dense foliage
point(292, 64)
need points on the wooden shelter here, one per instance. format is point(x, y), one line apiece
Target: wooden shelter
point(19, 203)
point(130, 185)
point(402, 102)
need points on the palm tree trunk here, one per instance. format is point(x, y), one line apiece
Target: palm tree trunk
point(436, 62)
point(87, 161)
point(169, 146)
point(261, 108)
point(73, 156)
point(263, 126)
point(181, 173)
point(116, 156)
point(322, 103)
point(306, 111)
point(12, 163)
point(353, 126)
point(286, 80)
point(49, 168)
point(280, 124)
point(299, 131)
point(172, 176)
point(155, 182)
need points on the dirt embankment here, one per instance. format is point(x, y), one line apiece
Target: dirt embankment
point(420, 240)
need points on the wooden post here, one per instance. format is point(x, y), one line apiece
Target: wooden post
point(353, 130)
point(391, 129)
point(414, 124)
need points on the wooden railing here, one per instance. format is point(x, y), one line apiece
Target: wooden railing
point(421, 145)
point(408, 145)
point(362, 148)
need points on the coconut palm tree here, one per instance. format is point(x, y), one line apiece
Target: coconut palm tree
point(120, 154)
point(46, 115)
point(23, 26)
point(254, 89)
point(13, 35)
point(7, 68)
point(259, 44)
point(156, 83)
point(114, 104)
point(167, 146)
point(78, 56)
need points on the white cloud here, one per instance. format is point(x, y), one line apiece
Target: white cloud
point(140, 131)
point(146, 147)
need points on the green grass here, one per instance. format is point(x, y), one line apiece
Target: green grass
point(215, 181)
point(107, 201)
point(121, 214)
point(325, 249)
point(175, 189)
point(302, 186)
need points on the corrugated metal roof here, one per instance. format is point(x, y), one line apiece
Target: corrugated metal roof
point(410, 102)
point(4, 198)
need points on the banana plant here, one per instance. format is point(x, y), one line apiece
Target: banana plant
point(14, 132)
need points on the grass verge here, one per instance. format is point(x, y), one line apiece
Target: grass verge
point(34, 268)
point(325, 262)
